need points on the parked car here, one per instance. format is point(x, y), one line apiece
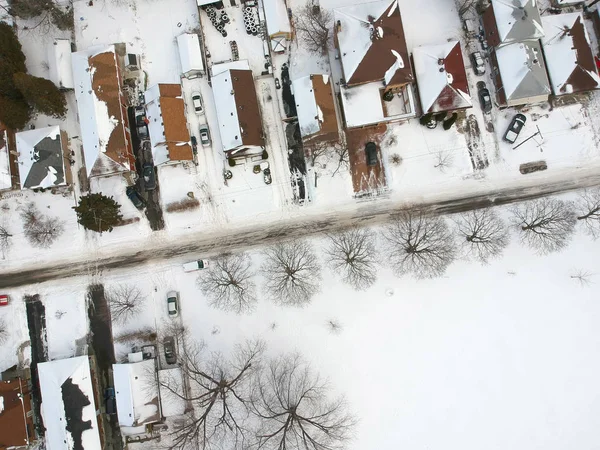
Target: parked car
point(478, 63)
point(204, 135)
point(169, 348)
point(3, 300)
point(484, 97)
point(135, 197)
point(142, 132)
point(173, 303)
point(371, 152)
point(149, 176)
point(267, 176)
point(197, 102)
point(110, 401)
point(531, 167)
point(514, 128)
point(140, 116)
point(194, 143)
point(195, 265)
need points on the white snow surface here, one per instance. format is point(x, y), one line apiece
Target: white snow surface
point(52, 375)
point(26, 141)
point(59, 63)
point(136, 392)
point(276, 16)
point(1, 404)
point(306, 106)
point(5, 177)
point(171, 404)
point(189, 53)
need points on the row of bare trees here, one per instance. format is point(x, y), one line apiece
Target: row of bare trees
point(249, 401)
point(413, 243)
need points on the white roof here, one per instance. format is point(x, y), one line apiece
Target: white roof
point(53, 377)
point(171, 403)
point(156, 129)
point(190, 54)
point(276, 16)
point(517, 20)
point(241, 64)
point(53, 167)
point(310, 115)
point(5, 178)
point(559, 49)
point(136, 392)
point(59, 63)
point(227, 116)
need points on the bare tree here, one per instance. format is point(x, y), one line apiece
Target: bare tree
point(342, 158)
point(294, 411)
point(219, 394)
point(3, 331)
point(292, 273)
point(126, 302)
point(4, 239)
point(444, 160)
point(352, 254)
point(583, 277)
point(314, 26)
point(419, 245)
point(484, 232)
point(40, 230)
point(228, 284)
point(334, 326)
point(545, 224)
point(588, 206)
point(464, 6)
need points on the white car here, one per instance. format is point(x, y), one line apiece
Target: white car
point(197, 102)
point(173, 303)
point(195, 265)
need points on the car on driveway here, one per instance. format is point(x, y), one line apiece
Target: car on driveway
point(484, 97)
point(173, 303)
point(478, 63)
point(149, 176)
point(514, 128)
point(135, 197)
point(169, 348)
point(204, 135)
point(195, 265)
point(197, 102)
point(371, 153)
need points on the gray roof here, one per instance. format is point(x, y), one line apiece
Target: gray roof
point(517, 20)
point(41, 162)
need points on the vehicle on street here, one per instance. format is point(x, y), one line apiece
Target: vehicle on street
point(197, 102)
point(169, 348)
point(195, 265)
point(484, 97)
point(173, 303)
point(478, 63)
point(371, 152)
point(514, 128)
point(149, 176)
point(3, 300)
point(267, 176)
point(204, 135)
point(135, 197)
point(531, 167)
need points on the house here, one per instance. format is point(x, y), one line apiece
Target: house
point(102, 108)
point(279, 29)
point(190, 55)
point(16, 424)
point(441, 77)
point(60, 64)
point(238, 113)
point(68, 406)
point(167, 124)
point(377, 83)
point(565, 3)
point(509, 21)
point(136, 392)
point(42, 155)
point(568, 53)
point(315, 105)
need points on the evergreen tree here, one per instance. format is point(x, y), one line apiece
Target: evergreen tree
point(14, 113)
point(98, 212)
point(450, 121)
point(41, 94)
point(11, 54)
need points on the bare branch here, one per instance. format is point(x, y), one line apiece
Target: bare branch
point(588, 208)
point(334, 326)
point(419, 245)
point(314, 26)
point(40, 230)
point(4, 240)
point(546, 224)
point(484, 233)
point(3, 331)
point(583, 277)
point(444, 160)
point(228, 284)
point(126, 302)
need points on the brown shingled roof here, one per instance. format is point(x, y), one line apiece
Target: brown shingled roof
point(325, 101)
point(12, 418)
point(174, 123)
point(248, 111)
point(580, 79)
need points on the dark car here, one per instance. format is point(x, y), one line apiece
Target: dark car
point(149, 176)
point(135, 197)
point(194, 144)
point(371, 152)
point(169, 347)
point(110, 402)
point(484, 97)
point(514, 128)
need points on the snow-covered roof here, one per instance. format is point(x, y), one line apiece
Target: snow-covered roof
point(371, 43)
point(104, 125)
point(68, 401)
point(522, 71)
point(59, 63)
point(237, 108)
point(136, 392)
point(441, 77)
point(276, 15)
point(240, 64)
point(5, 177)
point(517, 20)
point(41, 161)
point(190, 54)
point(172, 403)
point(363, 105)
point(167, 124)
point(568, 53)
point(315, 108)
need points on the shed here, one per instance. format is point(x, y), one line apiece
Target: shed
point(190, 55)
point(59, 63)
point(278, 23)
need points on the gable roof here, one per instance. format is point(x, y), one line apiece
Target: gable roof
point(13, 411)
point(237, 109)
point(568, 53)
point(136, 393)
point(60, 64)
point(5, 172)
point(371, 41)
point(517, 20)
point(522, 70)
point(190, 54)
point(276, 16)
point(441, 77)
point(103, 120)
point(315, 107)
point(68, 407)
point(41, 161)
